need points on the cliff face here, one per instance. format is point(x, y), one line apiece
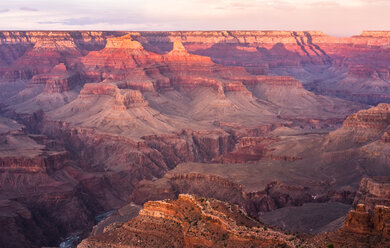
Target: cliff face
point(357, 72)
point(271, 197)
point(360, 221)
point(358, 65)
point(372, 192)
point(58, 80)
point(364, 128)
point(106, 110)
point(361, 229)
point(191, 221)
point(35, 184)
point(372, 120)
point(368, 224)
point(372, 214)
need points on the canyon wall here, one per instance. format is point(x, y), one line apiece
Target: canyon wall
point(368, 224)
point(107, 114)
point(191, 221)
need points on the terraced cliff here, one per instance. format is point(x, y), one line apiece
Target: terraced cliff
point(96, 119)
point(191, 222)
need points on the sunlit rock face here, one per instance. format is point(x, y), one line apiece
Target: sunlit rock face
point(355, 67)
point(191, 221)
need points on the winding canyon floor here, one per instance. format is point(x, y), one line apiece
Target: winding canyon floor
point(227, 137)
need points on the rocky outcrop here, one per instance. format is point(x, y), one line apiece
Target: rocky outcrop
point(120, 54)
point(372, 214)
point(359, 220)
point(368, 225)
point(236, 87)
point(373, 191)
point(368, 125)
point(58, 80)
point(372, 120)
point(44, 55)
point(132, 99)
point(382, 221)
point(124, 98)
point(191, 221)
point(360, 223)
point(180, 54)
point(361, 230)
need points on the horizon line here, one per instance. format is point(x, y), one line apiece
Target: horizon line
point(186, 30)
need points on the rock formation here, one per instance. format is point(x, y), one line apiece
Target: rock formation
point(372, 192)
point(366, 225)
point(371, 122)
point(361, 228)
point(188, 222)
point(98, 119)
point(58, 80)
point(34, 185)
point(372, 214)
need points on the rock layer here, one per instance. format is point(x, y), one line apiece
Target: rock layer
point(367, 225)
point(129, 106)
point(188, 222)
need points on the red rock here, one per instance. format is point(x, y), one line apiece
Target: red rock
point(236, 87)
point(120, 54)
point(367, 225)
point(100, 89)
point(206, 222)
point(58, 80)
point(285, 81)
point(359, 220)
point(382, 220)
point(373, 120)
point(372, 192)
point(180, 54)
point(127, 123)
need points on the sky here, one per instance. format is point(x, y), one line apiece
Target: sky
point(334, 17)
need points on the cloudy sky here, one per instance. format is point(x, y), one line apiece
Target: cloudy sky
point(335, 17)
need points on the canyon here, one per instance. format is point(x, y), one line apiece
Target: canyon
point(190, 221)
point(242, 132)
